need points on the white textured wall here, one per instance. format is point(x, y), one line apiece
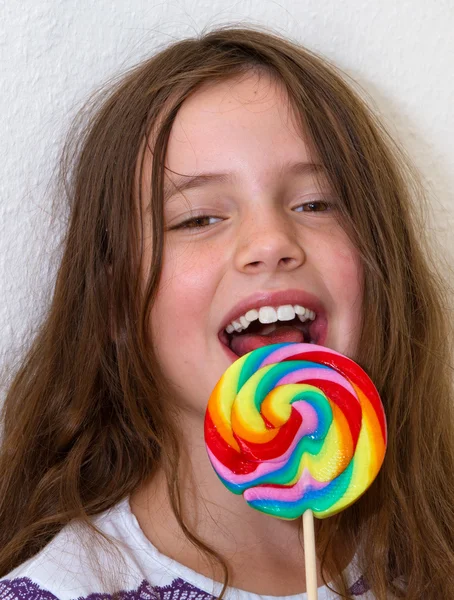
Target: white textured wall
point(53, 52)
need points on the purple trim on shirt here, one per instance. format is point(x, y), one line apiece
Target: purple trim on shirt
point(359, 588)
point(24, 588)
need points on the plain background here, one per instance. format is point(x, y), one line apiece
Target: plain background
point(53, 53)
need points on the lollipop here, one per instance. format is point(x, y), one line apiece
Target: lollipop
point(296, 427)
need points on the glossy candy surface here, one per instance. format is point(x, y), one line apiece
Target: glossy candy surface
point(295, 427)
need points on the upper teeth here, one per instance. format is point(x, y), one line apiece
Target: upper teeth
point(268, 314)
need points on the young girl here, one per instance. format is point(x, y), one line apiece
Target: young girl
point(227, 173)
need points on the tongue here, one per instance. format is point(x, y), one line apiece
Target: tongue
point(246, 342)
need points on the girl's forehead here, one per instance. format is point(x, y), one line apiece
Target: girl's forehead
point(232, 101)
point(234, 121)
point(243, 122)
point(257, 91)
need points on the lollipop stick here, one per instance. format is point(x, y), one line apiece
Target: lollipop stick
point(309, 555)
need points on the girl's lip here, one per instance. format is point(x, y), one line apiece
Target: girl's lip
point(318, 329)
point(230, 354)
point(275, 298)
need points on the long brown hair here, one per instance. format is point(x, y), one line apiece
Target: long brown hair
point(85, 420)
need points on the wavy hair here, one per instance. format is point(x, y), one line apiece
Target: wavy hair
point(86, 420)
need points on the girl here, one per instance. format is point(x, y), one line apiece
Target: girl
point(227, 173)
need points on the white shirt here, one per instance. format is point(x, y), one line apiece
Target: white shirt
point(74, 565)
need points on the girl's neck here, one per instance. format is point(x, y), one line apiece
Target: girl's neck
point(250, 542)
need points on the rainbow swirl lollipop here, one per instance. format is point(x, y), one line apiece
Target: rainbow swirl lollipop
point(296, 427)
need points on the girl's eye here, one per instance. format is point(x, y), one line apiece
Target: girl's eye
point(203, 221)
point(314, 206)
point(197, 222)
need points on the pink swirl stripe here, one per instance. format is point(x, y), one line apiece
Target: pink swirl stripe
point(301, 375)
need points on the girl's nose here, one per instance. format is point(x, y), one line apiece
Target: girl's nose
point(270, 246)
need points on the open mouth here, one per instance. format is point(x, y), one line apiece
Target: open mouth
point(259, 334)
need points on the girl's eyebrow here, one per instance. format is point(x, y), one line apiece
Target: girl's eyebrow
point(198, 180)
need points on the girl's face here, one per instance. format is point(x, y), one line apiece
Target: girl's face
point(257, 228)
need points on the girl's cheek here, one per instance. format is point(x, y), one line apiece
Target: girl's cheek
point(198, 260)
point(351, 265)
point(344, 254)
point(190, 273)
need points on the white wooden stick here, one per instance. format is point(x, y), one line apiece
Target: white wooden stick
point(309, 555)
